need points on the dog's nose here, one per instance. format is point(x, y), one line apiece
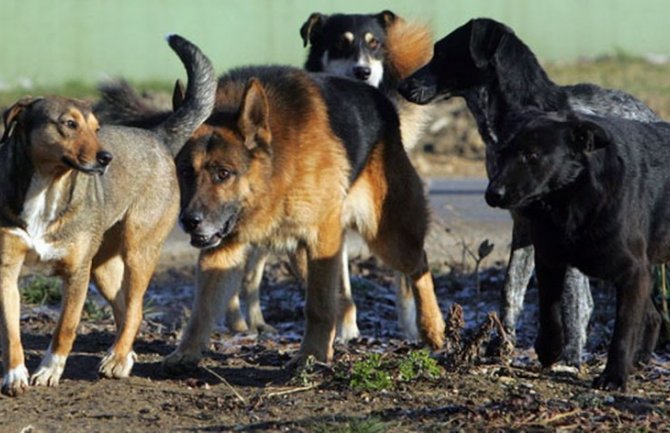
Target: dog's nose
point(191, 221)
point(362, 72)
point(104, 158)
point(495, 195)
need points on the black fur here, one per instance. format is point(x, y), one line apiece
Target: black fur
point(498, 75)
point(597, 194)
point(372, 112)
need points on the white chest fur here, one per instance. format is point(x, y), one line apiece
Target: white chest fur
point(40, 209)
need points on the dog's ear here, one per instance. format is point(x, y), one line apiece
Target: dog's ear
point(589, 136)
point(178, 95)
point(386, 18)
point(13, 115)
point(254, 117)
point(485, 38)
point(312, 26)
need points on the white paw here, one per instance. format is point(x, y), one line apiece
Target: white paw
point(347, 331)
point(115, 367)
point(180, 361)
point(15, 381)
point(50, 370)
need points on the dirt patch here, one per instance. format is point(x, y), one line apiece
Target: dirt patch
point(243, 384)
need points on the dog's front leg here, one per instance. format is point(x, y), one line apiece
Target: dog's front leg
point(75, 287)
point(550, 278)
point(323, 276)
point(633, 292)
point(218, 278)
point(12, 254)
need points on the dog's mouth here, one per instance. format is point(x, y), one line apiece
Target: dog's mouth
point(84, 168)
point(206, 241)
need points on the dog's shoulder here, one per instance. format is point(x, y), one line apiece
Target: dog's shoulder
point(360, 115)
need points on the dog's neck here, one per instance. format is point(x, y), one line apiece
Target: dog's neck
point(584, 206)
point(27, 196)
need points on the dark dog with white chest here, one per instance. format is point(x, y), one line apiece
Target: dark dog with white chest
point(596, 192)
point(498, 75)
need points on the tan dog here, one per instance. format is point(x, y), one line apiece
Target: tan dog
point(288, 161)
point(82, 201)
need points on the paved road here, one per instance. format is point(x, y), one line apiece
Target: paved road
point(457, 204)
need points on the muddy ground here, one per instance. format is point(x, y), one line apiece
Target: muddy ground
point(243, 384)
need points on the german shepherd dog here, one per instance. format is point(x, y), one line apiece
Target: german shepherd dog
point(86, 201)
point(498, 75)
point(288, 161)
point(379, 50)
point(595, 191)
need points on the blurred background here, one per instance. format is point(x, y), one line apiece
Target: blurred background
point(48, 43)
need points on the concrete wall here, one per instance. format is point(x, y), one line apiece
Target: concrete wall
point(50, 42)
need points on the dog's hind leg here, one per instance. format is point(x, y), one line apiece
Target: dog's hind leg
point(108, 278)
point(251, 283)
point(347, 328)
point(649, 332)
point(12, 254)
point(519, 271)
point(218, 278)
point(576, 308)
point(75, 287)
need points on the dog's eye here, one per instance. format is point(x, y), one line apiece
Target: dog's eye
point(373, 43)
point(71, 124)
point(221, 175)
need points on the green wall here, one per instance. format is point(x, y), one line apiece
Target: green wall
point(50, 42)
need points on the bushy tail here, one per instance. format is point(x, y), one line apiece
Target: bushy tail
point(409, 45)
point(200, 95)
point(120, 104)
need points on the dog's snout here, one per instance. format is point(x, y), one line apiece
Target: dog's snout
point(190, 220)
point(362, 72)
point(104, 158)
point(495, 195)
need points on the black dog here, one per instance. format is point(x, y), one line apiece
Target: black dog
point(597, 194)
point(497, 74)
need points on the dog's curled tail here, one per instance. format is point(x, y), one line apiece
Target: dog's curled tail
point(200, 95)
point(409, 45)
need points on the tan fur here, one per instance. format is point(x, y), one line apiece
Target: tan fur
point(77, 222)
point(298, 198)
point(409, 46)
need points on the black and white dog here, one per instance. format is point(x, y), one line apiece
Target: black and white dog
point(497, 74)
point(596, 194)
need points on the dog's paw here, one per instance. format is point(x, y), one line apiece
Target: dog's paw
point(610, 381)
point(432, 331)
point(114, 366)
point(50, 370)
point(181, 362)
point(263, 328)
point(347, 331)
point(15, 382)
